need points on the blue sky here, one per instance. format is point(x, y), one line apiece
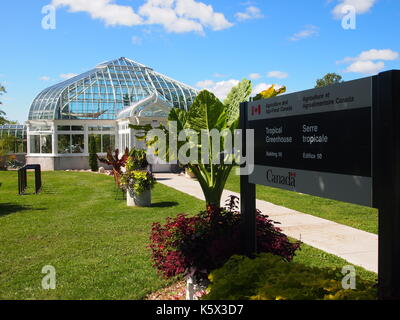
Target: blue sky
point(204, 43)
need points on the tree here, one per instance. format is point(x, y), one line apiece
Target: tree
point(328, 79)
point(94, 166)
point(7, 146)
point(3, 120)
point(2, 90)
point(206, 114)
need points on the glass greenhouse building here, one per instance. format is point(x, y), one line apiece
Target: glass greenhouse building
point(15, 138)
point(99, 104)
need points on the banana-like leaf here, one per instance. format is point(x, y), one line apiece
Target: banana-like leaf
point(270, 92)
point(206, 113)
point(179, 116)
point(238, 94)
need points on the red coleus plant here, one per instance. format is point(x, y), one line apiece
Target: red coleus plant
point(114, 160)
point(194, 246)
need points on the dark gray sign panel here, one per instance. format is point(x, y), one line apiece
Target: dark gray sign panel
point(316, 141)
point(321, 142)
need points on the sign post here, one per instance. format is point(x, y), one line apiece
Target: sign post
point(387, 181)
point(247, 196)
point(340, 142)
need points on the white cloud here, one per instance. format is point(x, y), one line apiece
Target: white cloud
point(370, 62)
point(277, 74)
point(44, 78)
point(254, 76)
point(220, 89)
point(366, 67)
point(182, 16)
point(219, 75)
point(361, 6)
point(205, 84)
point(136, 40)
point(250, 13)
point(191, 9)
point(163, 13)
point(307, 32)
point(177, 16)
point(105, 10)
point(374, 54)
point(67, 76)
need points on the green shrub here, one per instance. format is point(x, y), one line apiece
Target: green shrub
point(269, 277)
point(94, 166)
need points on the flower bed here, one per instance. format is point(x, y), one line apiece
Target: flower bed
point(194, 246)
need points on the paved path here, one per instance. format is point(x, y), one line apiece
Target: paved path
point(356, 246)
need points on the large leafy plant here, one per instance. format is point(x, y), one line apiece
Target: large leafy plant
point(272, 91)
point(206, 114)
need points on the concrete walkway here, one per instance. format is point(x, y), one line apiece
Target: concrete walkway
point(356, 246)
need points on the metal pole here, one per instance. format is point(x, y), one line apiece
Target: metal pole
point(386, 166)
point(38, 179)
point(24, 180)
point(247, 197)
point(20, 181)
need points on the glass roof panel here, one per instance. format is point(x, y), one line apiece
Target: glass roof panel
point(103, 92)
point(15, 130)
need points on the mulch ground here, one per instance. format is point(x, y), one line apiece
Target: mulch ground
point(177, 291)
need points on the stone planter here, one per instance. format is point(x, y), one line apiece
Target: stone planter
point(195, 289)
point(141, 200)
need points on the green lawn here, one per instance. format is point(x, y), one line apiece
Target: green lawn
point(318, 258)
point(97, 244)
point(355, 216)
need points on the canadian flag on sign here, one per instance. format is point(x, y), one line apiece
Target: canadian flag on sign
point(256, 110)
point(293, 174)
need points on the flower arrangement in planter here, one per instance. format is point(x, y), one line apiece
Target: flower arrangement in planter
point(194, 246)
point(137, 181)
